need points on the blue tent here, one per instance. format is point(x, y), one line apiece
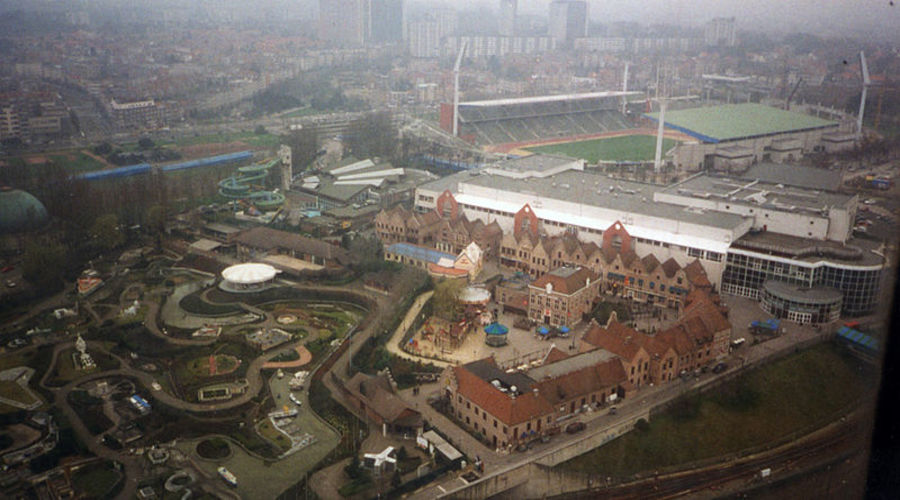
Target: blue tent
point(543, 330)
point(564, 329)
point(496, 329)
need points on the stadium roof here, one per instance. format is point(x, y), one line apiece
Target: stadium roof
point(549, 98)
point(732, 122)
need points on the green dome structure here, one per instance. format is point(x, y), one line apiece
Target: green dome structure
point(20, 211)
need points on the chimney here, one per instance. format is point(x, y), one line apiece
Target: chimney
point(535, 391)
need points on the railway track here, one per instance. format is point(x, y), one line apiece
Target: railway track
point(838, 439)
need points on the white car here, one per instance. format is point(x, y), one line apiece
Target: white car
point(296, 400)
point(871, 201)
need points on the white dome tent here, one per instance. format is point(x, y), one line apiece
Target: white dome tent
point(249, 277)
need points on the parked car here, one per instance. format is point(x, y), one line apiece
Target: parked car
point(575, 427)
point(719, 368)
point(6, 269)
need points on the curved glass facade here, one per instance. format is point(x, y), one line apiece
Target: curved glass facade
point(801, 305)
point(744, 275)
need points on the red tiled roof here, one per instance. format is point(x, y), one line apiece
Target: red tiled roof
point(670, 267)
point(584, 381)
point(696, 274)
point(616, 338)
point(566, 285)
point(509, 410)
point(555, 355)
point(650, 262)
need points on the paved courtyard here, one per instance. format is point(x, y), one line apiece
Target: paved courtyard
point(258, 478)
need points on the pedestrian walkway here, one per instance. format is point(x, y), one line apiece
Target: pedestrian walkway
point(459, 437)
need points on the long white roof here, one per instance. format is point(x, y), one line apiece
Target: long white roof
point(602, 224)
point(549, 98)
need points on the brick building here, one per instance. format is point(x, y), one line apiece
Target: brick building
point(620, 270)
point(562, 296)
point(512, 407)
point(444, 228)
point(699, 338)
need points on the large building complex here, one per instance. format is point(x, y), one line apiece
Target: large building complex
point(568, 20)
point(743, 230)
point(720, 32)
point(506, 21)
point(732, 137)
point(529, 118)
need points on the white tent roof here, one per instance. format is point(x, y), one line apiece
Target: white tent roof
point(250, 273)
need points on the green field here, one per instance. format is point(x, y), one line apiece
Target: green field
point(72, 161)
point(794, 394)
point(251, 139)
point(624, 148)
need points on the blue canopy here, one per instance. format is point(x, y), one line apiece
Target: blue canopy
point(564, 329)
point(858, 337)
point(543, 330)
point(496, 329)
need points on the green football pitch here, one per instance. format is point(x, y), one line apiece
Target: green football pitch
point(624, 148)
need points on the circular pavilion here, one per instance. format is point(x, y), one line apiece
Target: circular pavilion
point(249, 277)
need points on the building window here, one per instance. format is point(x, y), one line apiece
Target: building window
point(468, 405)
point(495, 423)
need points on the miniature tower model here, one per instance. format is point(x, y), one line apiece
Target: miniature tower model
point(85, 361)
point(287, 173)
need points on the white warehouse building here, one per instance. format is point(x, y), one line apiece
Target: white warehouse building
point(781, 214)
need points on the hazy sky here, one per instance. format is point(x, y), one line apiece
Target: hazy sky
point(823, 17)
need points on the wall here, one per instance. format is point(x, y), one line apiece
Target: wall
point(537, 476)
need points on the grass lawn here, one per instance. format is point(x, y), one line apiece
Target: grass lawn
point(15, 392)
point(65, 371)
point(95, 481)
point(71, 160)
point(625, 148)
point(792, 394)
point(252, 139)
point(355, 486)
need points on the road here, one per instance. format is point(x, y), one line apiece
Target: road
point(601, 422)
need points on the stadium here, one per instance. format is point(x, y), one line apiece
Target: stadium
point(590, 126)
point(732, 137)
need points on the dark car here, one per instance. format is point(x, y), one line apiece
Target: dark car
point(719, 368)
point(575, 427)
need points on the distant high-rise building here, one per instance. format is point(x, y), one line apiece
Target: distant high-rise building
point(568, 20)
point(344, 22)
point(386, 21)
point(720, 32)
point(507, 18)
point(424, 36)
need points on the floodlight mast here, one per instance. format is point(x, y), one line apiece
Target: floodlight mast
point(624, 90)
point(657, 161)
point(462, 50)
point(864, 71)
